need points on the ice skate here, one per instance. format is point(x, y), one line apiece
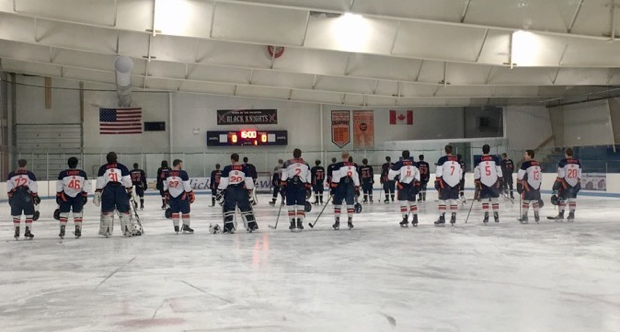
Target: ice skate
point(404, 222)
point(441, 222)
point(571, 216)
point(176, 229)
point(252, 226)
point(16, 236)
point(414, 222)
point(536, 217)
point(28, 234)
point(350, 223)
point(336, 224)
point(78, 232)
point(496, 216)
point(453, 219)
point(62, 232)
point(300, 224)
point(486, 218)
point(292, 227)
point(187, 229)
point(523, 219)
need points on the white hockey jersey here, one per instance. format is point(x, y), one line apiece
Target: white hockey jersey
point(406, 170)
point(570, 170)
point(72, 182)
point(296, 168)
point(177, 183)
point(487, 170)
point(449, 170)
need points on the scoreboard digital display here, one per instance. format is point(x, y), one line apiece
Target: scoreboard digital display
point(247, 137)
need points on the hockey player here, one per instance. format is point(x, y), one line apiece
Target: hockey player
point(296, 181)
point(508, 167)
point(179, 196)
point(388, 185)
point(462, 183)
point(408, 187)
point(72, 190)
point(275, 183)
point(161, 176)
point(567, 185)
point(529, 179)
point(112, 193)
point(317, 174)
point(235, 191)
point(22, 190)
point(330, 170)
point(367, 179)
point(345, 187)
point(448, 178)
point(216, 175)
point(488, 179)
point(425, 176)
point(138, 179)
point(254, 175)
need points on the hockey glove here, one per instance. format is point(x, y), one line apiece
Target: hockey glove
point(36, 199)
point(557, 184)
point(251, 197)
point(520, 187)
point(58, 197)
point(308, 191)
point(577, 188)
point(438, 184)
point(84, 197)
point(220, 197)
point(167, 197)
point(129, 192)
point(97, 198)
point(192, 197)
point(357, 191)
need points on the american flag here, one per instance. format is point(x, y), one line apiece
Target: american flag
point(114, 121)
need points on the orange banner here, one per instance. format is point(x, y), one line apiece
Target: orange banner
point(363, 129)
point(341, 121)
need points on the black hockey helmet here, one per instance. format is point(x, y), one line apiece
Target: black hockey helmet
point(307, 207)
point(555, 200)
point(168, 213)
point(357, 208)
point(57, 214)
point(36, 215)
point(541, 203)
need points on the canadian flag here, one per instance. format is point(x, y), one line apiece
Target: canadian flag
point(401, 117)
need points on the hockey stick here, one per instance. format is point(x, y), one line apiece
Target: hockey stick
point(277, 219)
point(470, 207)
point(319, 216)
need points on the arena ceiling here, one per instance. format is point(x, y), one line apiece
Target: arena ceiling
point(353, 52)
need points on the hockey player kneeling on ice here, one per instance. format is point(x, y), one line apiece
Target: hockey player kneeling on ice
point(529, 179)
point(488, 179)
point(567, 185)
point(408, 187)
point(22, 190)
point(72, 190)
point(112, 193)
point(235, 190)
point(448, 177)
point(345, 187)
point(296, 180)
point(179, 195)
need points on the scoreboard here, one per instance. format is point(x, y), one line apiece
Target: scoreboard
point(247, 137)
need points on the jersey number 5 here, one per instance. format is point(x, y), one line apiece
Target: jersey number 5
point(487, 170)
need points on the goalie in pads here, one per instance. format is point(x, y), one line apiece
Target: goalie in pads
point(235, 190)
point(113, 190)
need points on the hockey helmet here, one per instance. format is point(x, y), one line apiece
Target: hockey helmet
point(357, 208)
point(307, 207)
point(214, 228)
point(57, 214)
point(555, 200)
point(541, 203)
point(168, 213)
point(36, 215)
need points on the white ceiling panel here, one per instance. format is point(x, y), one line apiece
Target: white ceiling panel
point(262, 92)
point(318, 96)
point(99, 12)
point(219, 74)
point(85, 60)
point(344, 84)
point(275, 78)
point(354, 99)
point(259, 24)
point(415, 90)
point(32, 68)
point(523, 76)
point(135, 15)
point(335, 5)
point(162, 84)
point(594, 53)
point(26, 52)
point(364, 65)
point(577, 76)
point(313, 62)
point(211, 88)
point(544, 15)
point(184, 18)
point(464, 91)
point(595, 18)
point(351, 33)
point(16, 28)
point(465, 74)
point(6, 5)
point(521, 91)
point(438, 41)
point(387, 88)
point(431, 72)
point(441, 10)
point(225, 53)
point(88, 75)
point(496, 48)
point(380, 101)
point(167, 69)
point(76, 37)
point(177, 49)
point(133, 44)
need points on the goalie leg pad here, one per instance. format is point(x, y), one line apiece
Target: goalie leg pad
point(106, 225)
point(126, 224)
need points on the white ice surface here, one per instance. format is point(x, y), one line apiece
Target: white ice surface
point(377, 277)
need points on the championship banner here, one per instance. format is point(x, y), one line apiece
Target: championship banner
point(341, 121)
point(243, 117)
point(363, 129)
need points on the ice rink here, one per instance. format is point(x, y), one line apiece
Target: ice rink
point(377, 277)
